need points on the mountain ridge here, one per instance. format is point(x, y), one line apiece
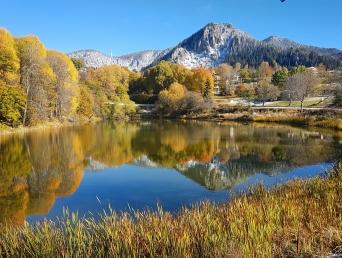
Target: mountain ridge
point(214, 44)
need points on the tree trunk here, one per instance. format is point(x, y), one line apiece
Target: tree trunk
point(26, 102)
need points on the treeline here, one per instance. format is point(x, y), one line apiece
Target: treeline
point(254, 54)
point(37, 85)
point(161, 76)
point(268, 82)
point(175, 89)
point(166, 83)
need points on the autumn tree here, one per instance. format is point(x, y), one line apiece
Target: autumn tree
point(135, 83)
point(180, 73)
point(266, 91)
point(265, 71)
point(300, 85)
point(37, 78)
point(168, 100)
point(12, 103)
point(245, 75)
point(245, 92)
point(86, 105)
point(197, 79)
point(12, 97)
point(112, 80)
point(65, 101)
point(224, 72)
point(159, 77)
point(109, 87)
point(9, 61)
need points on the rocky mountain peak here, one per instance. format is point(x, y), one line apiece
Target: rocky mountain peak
point(212, 36)
point(212, 45)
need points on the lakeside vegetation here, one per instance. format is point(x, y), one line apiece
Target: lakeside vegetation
point(326, 118)
point(301, 218)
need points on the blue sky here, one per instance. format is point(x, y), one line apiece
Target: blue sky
point(128, 26)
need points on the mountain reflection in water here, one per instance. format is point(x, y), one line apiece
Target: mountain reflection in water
point(190, 160)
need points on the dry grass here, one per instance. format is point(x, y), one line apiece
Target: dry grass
point(300, 219)
point(328, 118)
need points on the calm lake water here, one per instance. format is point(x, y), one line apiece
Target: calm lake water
point(137, 165)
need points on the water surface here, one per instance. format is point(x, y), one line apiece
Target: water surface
point(136, 165)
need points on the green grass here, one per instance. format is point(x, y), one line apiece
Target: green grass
point(302, 218)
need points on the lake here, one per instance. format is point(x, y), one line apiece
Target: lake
point(136, 165)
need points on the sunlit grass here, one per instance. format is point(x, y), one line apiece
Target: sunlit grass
point(299, 119)
point(307, 103)
point(302, 218)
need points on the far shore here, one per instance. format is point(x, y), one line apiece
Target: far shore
point(319, 117)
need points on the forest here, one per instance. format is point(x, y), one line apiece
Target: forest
point(253, 55)
point(39, 85)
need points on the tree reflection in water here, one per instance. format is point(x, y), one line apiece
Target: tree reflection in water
point(38, 167)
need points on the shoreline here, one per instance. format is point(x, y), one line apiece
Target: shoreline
point(46, 125)
point(325, 118)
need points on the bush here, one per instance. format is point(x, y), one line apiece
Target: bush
point(194, 103)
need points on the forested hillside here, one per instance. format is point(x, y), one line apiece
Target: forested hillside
point(39, 85)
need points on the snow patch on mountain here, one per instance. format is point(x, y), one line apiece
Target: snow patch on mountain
point(206, 48)
point(209, 58)
point(282, 42)
point(135, 61)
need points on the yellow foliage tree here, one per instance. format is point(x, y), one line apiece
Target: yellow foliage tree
point(109, 85)
point(175, 94)
point(66, 82)
point(9, 61)
point(12, 97)
point(37, 78)
point(199, 78)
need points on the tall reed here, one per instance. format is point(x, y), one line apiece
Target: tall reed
point(302, 218)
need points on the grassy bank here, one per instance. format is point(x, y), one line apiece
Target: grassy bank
point(319, 118)
point(300, 219)
point(327, 118)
